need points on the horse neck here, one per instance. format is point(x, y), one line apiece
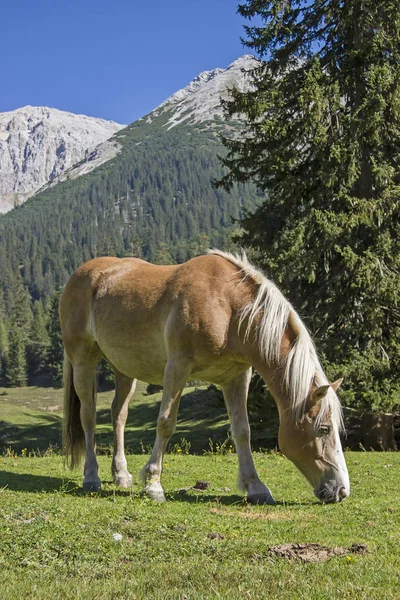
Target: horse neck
point(273, 376)
point(273, 372)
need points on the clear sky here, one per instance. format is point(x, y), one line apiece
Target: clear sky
point(112, 59)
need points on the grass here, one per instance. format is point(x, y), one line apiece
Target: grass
point(57, 542)
point(30, 418)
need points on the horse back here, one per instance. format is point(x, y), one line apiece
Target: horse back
point(107, 284)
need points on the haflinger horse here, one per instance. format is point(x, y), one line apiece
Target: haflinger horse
point(212, 318)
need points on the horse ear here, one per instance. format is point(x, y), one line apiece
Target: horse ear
point(336, 384)
point(319, 393)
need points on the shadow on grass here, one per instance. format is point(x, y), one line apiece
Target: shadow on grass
point(232, 499)
point(40, 435)
point(204, 498)
point(202, 416)
point(26, 482)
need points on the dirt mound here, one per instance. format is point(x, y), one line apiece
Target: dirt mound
point(313, 552)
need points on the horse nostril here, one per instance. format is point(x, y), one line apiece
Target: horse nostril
point(329, 493)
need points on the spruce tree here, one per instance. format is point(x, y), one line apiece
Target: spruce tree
point(38, 342)
point(3, 334)
point(19, 324)
point(16, 367)
point(3, 347)
point(322, 140)
point(55, 350)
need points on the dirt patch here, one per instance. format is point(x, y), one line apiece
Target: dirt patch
point(272, 516)
point(201, 486)
point(216, 536)
point(313, 552)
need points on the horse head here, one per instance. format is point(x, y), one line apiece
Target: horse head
point(313, 444)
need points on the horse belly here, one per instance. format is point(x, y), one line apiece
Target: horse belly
point(219, 373)
point(138, 352)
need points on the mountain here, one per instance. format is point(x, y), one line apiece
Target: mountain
point(198, 102)
point(37, 144)
point(147, 191)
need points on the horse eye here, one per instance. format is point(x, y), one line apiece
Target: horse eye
point(325, 429)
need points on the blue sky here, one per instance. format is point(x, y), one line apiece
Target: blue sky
point(111, 59)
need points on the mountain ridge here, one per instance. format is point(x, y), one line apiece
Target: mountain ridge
point(38, 143)
point(198, 102)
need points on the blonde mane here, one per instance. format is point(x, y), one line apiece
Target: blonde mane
point(301, 366)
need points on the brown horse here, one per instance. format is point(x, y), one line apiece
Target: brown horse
point(211, 318)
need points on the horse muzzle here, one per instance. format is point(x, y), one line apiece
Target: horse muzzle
point(330, 492)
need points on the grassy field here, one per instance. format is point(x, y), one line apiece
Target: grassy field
point(56, 542)
point(30, 418)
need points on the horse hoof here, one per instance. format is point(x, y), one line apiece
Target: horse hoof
point(154, 493)
point(124, 481)
point(261, 499)
point(91, 486)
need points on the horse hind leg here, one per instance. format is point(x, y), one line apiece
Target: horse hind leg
point(124, 390)
point(84, 383)
point(235, 394)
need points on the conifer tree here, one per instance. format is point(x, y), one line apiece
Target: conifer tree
point(3, 347)
point(38, 341)
point(21, 313)
point(3, 334)
point(55, 350)
point(19, 323)
point(322, 142)
point(162, 255)
point(16, 367)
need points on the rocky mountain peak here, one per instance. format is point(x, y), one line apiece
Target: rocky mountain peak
point(38, 143)
point(42, 146)
point(201, 99)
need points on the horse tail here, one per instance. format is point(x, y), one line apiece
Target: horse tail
point(73, 437)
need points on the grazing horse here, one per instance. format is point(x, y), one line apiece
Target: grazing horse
point(212, 318)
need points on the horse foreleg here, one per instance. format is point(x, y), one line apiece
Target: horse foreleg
point(235, 394)
point(84, 386)
point(124, 390)
point(175, 375)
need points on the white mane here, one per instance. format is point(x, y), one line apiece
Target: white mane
point(302, 365)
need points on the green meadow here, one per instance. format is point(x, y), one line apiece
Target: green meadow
point(30, 419)
point(57, 542)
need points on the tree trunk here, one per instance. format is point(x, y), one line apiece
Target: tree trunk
point(377, 431)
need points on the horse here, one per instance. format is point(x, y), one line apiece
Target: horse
point(212, 318)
